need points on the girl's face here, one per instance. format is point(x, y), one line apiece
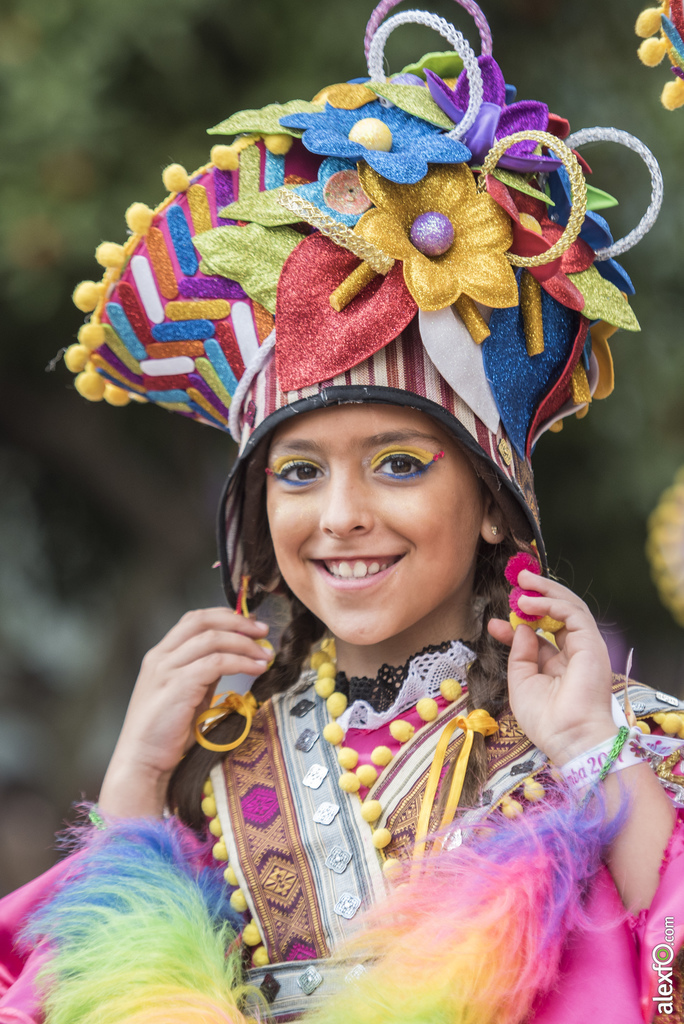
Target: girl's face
point(376, 516)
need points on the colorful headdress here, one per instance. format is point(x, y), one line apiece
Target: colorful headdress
point(423, 239)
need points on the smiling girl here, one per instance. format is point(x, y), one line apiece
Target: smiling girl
point(431, 806)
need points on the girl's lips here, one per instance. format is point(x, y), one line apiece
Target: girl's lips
point(356, 573)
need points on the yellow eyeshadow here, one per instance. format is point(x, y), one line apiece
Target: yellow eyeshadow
point(421, 454)
point(284, 461)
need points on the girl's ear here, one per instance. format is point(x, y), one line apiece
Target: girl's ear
point(492, 529)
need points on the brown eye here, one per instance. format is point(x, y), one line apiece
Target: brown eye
point(305, 472)
point(401, 465)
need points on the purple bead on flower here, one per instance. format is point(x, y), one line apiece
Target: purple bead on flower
point(432, 233)
point(414, 143)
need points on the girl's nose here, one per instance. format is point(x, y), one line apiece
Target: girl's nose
point(347, 507)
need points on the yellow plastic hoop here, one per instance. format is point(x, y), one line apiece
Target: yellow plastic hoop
point(244, 704)
point(578, 191)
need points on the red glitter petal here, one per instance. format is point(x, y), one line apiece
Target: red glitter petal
point(313, 341)
point(560, 393)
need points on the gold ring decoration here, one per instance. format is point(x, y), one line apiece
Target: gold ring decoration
point(578, 190)
point(244, 703)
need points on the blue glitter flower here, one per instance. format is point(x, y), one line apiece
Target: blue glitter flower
point(415, 143)
point(337, 192)
point(595, 230)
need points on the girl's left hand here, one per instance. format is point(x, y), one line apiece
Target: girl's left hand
point(560, 698)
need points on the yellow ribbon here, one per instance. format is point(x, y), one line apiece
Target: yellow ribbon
point(244, 703)
point(478, 720)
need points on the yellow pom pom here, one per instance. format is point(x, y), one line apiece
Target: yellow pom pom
point(86, 296)
point(371, 810)
point(648, 23)
point(511, 808)
point(219, 850)
point(139, 218)
point(269, 651)
point(260, 956)
point(319, 658)
point(279, 145)
point(336, 704)
point(244, 141)
point(451, 689)
point(658, 717)
point(333, 733)
point(652, 51)
point(91, 335)
point(645, 727)
point(348, 758)
point(225, 158)
point(371, 133)
point(109, 254)
point(401, 731)
point(534, 791)
point(230, 876)
point(427, 709)
point(326, 670)
point(238, 901)
point(392, 869)
point(671, 723)
point(175, 178)
point(367, 775)
point(115, 395)
point(207, 788)
point(349, 783)
point(329, 647)
point(382, 837)
point(209, 807)
point(90, 385)
point(75, 358)
point(250, 935)
point(324, 687)
point(381, 756)
point(215, 828)
point(672, 95)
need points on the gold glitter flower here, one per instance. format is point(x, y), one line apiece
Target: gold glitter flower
point(443, 205)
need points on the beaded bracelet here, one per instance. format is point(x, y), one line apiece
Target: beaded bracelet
point(610, 756)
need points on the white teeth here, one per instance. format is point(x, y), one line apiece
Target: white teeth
point(360, 569)
point(373, 568)
point(344, 569)
point(383, 567)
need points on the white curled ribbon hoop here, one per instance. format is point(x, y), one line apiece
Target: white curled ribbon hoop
point(636, 145)
point(376, 59)
point(385, 6)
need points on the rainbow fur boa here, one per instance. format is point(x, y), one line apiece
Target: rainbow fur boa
point(141, 935)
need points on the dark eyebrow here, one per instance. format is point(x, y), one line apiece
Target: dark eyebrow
point(309, 446)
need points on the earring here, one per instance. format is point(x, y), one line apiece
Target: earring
point(495, 530)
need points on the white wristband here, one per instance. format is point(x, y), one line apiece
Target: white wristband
point(585, 769)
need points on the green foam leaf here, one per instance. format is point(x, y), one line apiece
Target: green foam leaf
point(414, 99)
point(597, 199)
point(446, 64)
point(521, 182)
point(252, 255)
point(262, 208)
point(267, 120)
point(603, 301)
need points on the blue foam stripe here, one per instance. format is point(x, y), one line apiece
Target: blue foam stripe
point(221, 365)
point(182, 240)
point(203, 412)
point(184, 330)
point(122, 326)
point(174, 395)
point(274, 172)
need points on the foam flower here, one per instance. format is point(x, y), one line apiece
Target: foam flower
point(595, 231)
point(337, 192)
point(495, 119)
point(409, 218)
point(533, 234)
point(395, 144)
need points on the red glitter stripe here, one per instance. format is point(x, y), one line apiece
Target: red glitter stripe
point(677, 15)
point(231, 349)
point(133, 310)
point(178, 382)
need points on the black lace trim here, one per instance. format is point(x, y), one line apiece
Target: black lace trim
point(382, 691)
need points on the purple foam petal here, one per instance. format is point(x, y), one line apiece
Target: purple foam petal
point(443, 96)
point(527, 115)
point(493, 84)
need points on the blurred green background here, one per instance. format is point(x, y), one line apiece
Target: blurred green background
point(106, 515)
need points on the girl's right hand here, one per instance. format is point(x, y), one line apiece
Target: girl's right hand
point(177, 681)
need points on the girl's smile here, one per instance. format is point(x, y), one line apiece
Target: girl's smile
point(376, 516)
